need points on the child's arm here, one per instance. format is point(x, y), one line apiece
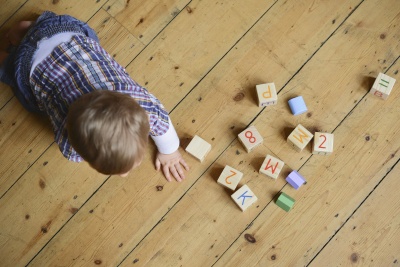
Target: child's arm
point(168, 156)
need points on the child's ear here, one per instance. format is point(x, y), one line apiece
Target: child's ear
point(124, 174)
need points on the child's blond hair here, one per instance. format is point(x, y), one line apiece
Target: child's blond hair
point(109, 130)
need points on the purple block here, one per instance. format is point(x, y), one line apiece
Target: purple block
point(297, 105)
point(295, 179)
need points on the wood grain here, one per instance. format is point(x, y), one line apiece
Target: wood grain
point(363, 242)
point(145, 19)
point(334, 190)
point(203, 59)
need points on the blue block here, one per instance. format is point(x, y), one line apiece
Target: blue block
point(297, 105)
point(295, 179)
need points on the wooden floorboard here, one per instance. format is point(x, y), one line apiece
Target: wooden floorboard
point(210, 218)
point(374, 241)
point(202, 59)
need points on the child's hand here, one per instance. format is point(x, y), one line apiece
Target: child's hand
point(171, 164)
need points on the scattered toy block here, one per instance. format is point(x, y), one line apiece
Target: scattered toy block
point(383, 85)
point(230, 177)
point(285, 202)
point(299, 138)
point(250, 138)
point(244, 197)
point(198, 148)
point(323, 143)
point(271, 167)
point(295, 179)
point(297, 105)
point(266, 94)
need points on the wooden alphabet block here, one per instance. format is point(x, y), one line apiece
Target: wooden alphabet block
point(299, 138)
point(383, 85)
point(266, 94)
point(323, 143)
point(295, 179)
point(285, 202)
point(297, 105)
point(271, 167)
point(198, 148)
point(244, 197)
point(250, 138)
point(230, 177)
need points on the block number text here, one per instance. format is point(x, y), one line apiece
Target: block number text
point(226, 179)
point(323, 142)
point(249, 135)
point(383, 81)
point(301, 136)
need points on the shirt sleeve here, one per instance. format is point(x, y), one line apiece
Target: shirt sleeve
point(61, 138)
point(167, 143)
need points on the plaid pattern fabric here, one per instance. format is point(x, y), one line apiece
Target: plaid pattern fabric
point(78, 67)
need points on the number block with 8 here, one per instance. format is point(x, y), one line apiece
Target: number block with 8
point(250, 138)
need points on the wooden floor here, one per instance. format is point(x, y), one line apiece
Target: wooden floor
point(203, 59)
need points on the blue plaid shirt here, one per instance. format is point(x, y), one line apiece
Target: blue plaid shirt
point(78, 67)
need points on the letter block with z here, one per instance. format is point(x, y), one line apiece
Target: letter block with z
point(230, 177)
point(323, 143)
point(383, 85)
point(250, 138)
point(299, 138)
point(244, 197)
point(271, 167)
point(266, 94)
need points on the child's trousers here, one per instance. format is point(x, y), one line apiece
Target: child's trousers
point(16, 68)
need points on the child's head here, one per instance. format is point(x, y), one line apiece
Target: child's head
point(109, 130)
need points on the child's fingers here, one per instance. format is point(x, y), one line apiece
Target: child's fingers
point(158, 164)
point(180, 171)
point(175, 173)
point(184, 164)
point(166, 173)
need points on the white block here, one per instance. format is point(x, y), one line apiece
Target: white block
point(271, 167)
point(250, 138)
point(198, 148)
point(299, 138)
point(244, 197)
point(383, 85)
point(266, 94)
point(323, 143)
point(230, 177)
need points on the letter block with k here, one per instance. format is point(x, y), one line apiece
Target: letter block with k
point(244, 197)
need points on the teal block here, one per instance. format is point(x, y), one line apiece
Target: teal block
point(285, 202)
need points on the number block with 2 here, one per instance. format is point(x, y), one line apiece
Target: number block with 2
point(230, 177)
point(323, 143)
point(250, 138)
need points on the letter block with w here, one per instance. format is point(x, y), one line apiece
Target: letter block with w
point(299, 138)
point(271, 167)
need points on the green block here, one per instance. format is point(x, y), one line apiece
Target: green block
point(285, 202)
